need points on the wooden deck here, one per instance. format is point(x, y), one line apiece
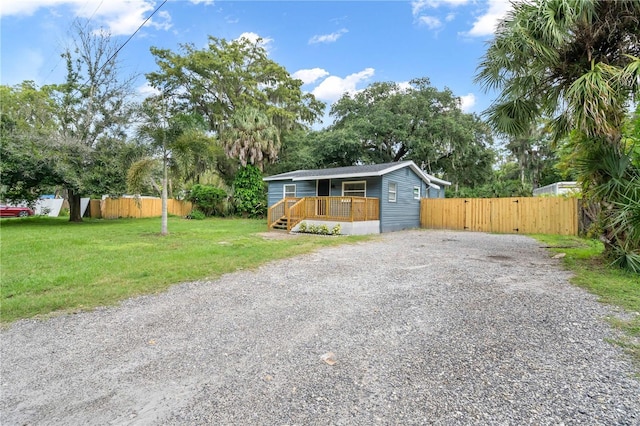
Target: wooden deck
point(288, 212)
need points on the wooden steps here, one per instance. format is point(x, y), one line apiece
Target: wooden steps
point(281, 224)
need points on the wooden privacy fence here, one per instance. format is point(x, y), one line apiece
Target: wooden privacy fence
point(522, 215)
point(113, 208)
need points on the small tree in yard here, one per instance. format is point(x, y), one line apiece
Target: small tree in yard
point(171, 138)
point(250, 197)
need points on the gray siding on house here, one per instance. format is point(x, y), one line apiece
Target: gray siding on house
point(309, 188)
point(372, 186)
point(436, 193)
point(405, 212)
point(276, 190)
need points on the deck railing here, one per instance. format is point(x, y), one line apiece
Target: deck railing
point(280, 209)
point(336, 209)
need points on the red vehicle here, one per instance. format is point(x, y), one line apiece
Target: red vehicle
point(12, 211)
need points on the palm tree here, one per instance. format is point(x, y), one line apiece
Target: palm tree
point(251, 138)
point(576, 62)
point(181, 143)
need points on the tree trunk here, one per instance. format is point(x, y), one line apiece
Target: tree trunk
point(164, 220)
point(75, 213)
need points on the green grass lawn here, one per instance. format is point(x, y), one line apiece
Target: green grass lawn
point(614, 286)
point(50, 265)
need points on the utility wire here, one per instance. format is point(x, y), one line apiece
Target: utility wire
point(123, 44)
point(131, 36)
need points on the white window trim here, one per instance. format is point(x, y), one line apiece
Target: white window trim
point(394, 192)
point(284, 189)
point(416, 197)
point(352, 182)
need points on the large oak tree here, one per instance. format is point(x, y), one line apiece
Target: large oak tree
point(390, 122)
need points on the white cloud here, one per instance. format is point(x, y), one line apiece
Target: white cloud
point(486, 23)
point(146, 91)
point(420, 5)
point(404, 85)
point(28, 7)
point(328, 38)
point(205, 2)
point(311, 75)
point(120, 17)
point(333, 87)
point(164, 23)
point(467, 102)
point(253, 38)
point(430, 21)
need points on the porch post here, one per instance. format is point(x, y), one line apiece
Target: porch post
point(352, 208)
point(288, 214)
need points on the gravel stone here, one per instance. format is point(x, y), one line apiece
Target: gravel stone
point(423, 327)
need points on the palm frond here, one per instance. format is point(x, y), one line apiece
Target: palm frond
point(139, 174)
point(594, 100)
point(513, 116)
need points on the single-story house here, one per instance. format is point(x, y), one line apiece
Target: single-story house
point(362, 199)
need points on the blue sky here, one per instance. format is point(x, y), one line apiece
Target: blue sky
point(333, 46)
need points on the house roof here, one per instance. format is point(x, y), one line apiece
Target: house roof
point(357, 171)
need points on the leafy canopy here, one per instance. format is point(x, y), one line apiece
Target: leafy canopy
point(388, 122)
point(227, 76)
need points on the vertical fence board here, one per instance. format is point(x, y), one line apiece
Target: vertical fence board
point(524, 215)
point(94, 209)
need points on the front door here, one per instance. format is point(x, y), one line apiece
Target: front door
point(323, 188)
point(323, 191)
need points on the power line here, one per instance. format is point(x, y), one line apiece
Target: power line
point(131, 36)
point(123, 44)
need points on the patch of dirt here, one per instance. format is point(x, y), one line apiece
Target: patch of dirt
point(276, 235)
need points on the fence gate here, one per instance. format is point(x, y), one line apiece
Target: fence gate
point(521, 215)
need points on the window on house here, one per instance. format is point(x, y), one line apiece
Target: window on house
point(354, 189)
point(392, 192)
point(289, 191)
point(416, 192)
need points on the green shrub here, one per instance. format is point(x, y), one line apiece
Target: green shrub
point(250, 195)
point(322, 229)
point(197, 215)
point(208, 199)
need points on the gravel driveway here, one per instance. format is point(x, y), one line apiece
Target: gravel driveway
point(426, 327)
